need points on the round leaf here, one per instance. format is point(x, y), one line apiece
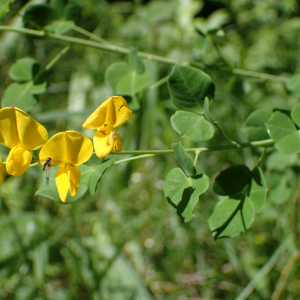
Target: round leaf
point(258, 191)
point(131, 84)
point(296, 114)
point(115, 72)
point(255, 127)
point(192, 126)
point(293, 83)
point(232, 180)
point(290, 144)
point(188, 88)
point(280, 125)
point(134, 61)
point(231, 217)
point(24, 69)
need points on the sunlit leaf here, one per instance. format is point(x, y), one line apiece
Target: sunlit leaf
point(290, 143)
point(183, 192)
point(192, 126)
point(188, 88)
point(184, 159)
point(255, 127)
point(24, 69)
point(280, 125)
point(296, 113)
point(115, 72)
point(97, 173)
point(258, 190)
point(21, 95)
point(131, 84)
point(135, 62)
point(231, 217)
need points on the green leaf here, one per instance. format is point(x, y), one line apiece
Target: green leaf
point(254, 126)
point(183, 193)
point(188, 88)
point(131, 84)
point(21, 95)
point(231, 217)
point(24, 69)
point(280, 161)
point(290, 144)
point(258, 191)
point(280, 125)
point(281, 189)
point(72, 11)
point(134, 61)
point(184, 159)
point(192, 126)
point(60, 27)
point(4, 6)
point(293, 83)
point(115, 72)
point(50, 190)
point(97, 173)
point(232, 180)
point(39, 15)
point(296, 114)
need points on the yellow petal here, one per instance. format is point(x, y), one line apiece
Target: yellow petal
point(103, 141)
point(69, 146)
point(117, 144)
point(19, 129)
point(62, 183)
point(18, 161)
point(74, 175)
point(113, 112)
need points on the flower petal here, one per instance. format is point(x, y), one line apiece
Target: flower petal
point(117, 143)
point(19, 129)
point(69, 146)
point(74, 175)
point(103, 142)
point(62, 183)
point(113, 112)
point(18, 161)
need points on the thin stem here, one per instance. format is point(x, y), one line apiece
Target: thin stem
point(133, 158)
point(197, 153)
point(92, 44)
point(259, 75)
point(90, 35)
point(113, 48)
point(159, 83)
point(56, 58)
point(285, 274)
point(263, 272)
point(262, 156)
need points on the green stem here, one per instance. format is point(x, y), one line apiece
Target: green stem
point(259, 75)
point(159, 83)
point(56, 58)
point(263, 272)
point(78, 41)
point(90, 35)
point(113, 48)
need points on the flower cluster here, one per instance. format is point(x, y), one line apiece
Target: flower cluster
point(69, 149)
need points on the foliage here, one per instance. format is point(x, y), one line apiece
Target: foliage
point(210, 153)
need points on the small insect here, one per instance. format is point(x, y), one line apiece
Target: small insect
point(46, 168)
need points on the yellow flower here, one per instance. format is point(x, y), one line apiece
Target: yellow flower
point(110, 114)
point(66, 149)
point(2, 171)
point(21, 134)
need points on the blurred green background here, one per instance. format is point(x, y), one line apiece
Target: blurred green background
point(127, 242)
